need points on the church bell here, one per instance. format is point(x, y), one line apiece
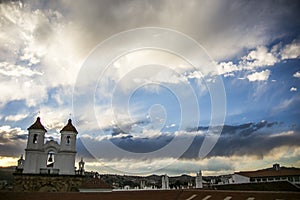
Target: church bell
point(50, 158)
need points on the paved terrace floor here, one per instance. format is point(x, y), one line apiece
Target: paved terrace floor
point(156, 195)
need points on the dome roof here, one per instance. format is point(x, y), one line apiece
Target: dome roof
point(69, 127)
point(37, 125)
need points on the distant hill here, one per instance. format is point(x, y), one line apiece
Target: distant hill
point(152, 180)
point(6, 173)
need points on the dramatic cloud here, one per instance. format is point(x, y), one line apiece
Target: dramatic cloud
point(234, 140)
point(35, 50)
point(12, 141)
point(136, 101)
point(235, 144)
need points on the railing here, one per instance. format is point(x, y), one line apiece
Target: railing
point(49, 171)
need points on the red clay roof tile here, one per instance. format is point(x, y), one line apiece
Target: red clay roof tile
point(37, 125)
point(69, 127)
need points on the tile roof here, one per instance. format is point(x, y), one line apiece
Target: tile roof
point(69, 127)
point(37, 125)
point(271, 172)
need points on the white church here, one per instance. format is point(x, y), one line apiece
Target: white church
point(49, 161)
point(49, 157)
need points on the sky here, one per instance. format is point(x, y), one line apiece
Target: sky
point(154, 86)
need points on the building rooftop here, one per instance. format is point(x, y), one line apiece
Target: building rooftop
point(37, 125)
point(69, 127)
point(274, 171)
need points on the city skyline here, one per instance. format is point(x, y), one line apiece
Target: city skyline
point(147, 99)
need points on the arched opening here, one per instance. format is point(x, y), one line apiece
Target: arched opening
point(35, 137)
point(50, 159)
point(68, 141)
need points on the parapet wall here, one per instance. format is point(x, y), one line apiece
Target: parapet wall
point(46, 183)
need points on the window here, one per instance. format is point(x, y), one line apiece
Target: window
point(68, 141)
point(34, 138)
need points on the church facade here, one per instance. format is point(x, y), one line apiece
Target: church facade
point(48, 165)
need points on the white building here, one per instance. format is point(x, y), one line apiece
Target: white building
point(165, 182)
point(275, 173)
point(49, 157)
point(143, 184)
point(198, 180)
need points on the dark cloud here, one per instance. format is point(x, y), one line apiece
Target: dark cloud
point(255, 139)
point(247, 139)
point(142, 145)
point(220, 26)
point(224, 28)
point(12, 141)
point(19, 137)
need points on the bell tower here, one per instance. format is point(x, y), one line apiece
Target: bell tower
point(34, 152)
point(66, 156)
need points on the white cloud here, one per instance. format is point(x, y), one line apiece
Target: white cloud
point(260, 57)
point(40, 52)
point(33, 92)
point(291, 51)
point(297, 75)
point(195, 75)
point(293, 89)
point(227, 68)
point(8, 69)
point(259, 76)
point(15, 118)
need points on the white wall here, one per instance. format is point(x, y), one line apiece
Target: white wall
point(65, 162)
point(34, 160)
point(240, 179)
